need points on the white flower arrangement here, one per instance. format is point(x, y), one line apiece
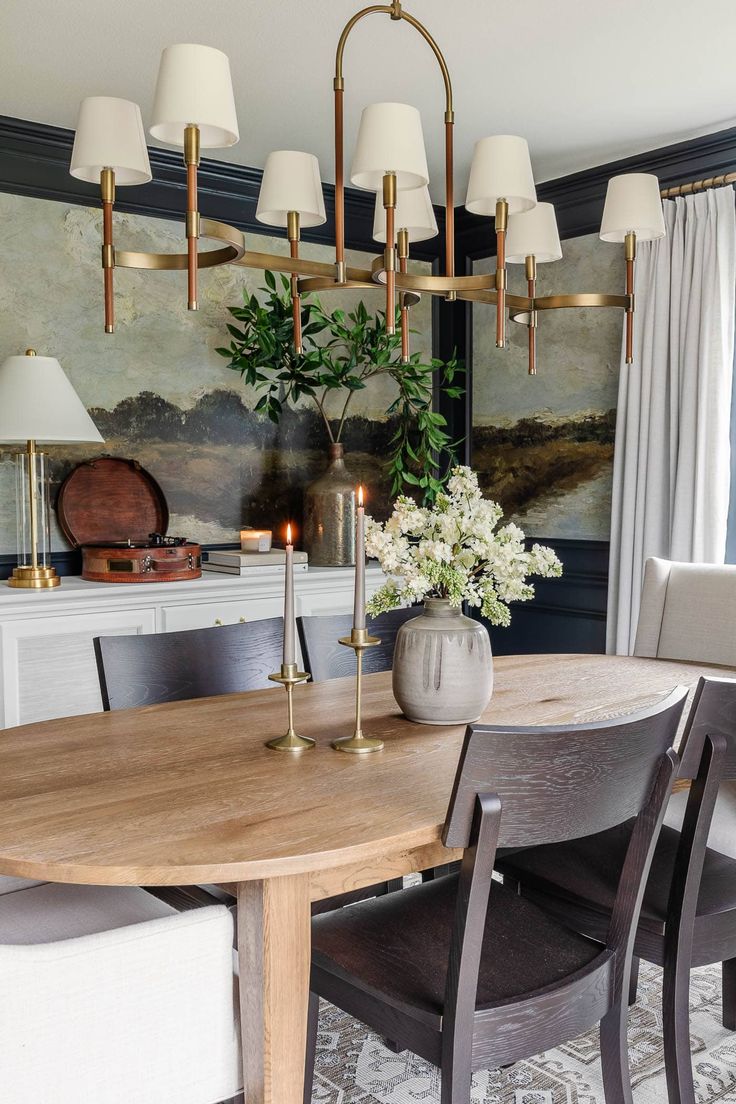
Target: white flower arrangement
point(454, 550)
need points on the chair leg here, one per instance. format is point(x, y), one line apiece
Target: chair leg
point(728, 969)
point(615, 1056)
point(633, 980)
point(676, 1030)
point(456, 1083)
point(312, 1026)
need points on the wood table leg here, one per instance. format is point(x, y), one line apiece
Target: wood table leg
point(274, 950)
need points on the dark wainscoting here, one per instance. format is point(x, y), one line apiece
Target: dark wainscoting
point(567, 614)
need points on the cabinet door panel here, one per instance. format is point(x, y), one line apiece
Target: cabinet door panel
point(49, 667)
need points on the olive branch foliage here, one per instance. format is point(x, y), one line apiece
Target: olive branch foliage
point(342, 352)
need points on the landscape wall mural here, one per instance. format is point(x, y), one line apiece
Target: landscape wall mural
point(156, 389)
point(543, 445)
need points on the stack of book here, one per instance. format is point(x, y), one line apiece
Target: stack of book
point(236, 562)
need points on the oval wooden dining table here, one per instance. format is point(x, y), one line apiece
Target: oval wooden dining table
point(187, 793)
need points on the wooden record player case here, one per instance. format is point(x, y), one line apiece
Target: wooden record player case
point(115, 511)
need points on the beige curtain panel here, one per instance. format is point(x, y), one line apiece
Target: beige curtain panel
point(672, 463)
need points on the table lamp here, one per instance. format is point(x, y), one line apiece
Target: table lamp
point(37, 403)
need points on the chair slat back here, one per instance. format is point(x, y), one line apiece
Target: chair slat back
point(325, 659)
point(713, 713)
point(563, 782)
point(196, 663)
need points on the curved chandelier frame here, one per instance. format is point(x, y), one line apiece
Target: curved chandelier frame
point(389, 271)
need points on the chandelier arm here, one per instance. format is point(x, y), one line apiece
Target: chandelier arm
point(339, 87)
point(393, 10)
point(107, 190)
point(581, 299)
point(231, 253)
point(403, 252)
point(449, 145)
point(191, 160)
point(531, 290)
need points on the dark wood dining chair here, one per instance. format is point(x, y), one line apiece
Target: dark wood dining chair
point(326, 659)
point(466, 973)
point(196, 663)
point(688, 915)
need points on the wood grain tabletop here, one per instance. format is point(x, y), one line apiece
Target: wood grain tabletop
point(187, 793)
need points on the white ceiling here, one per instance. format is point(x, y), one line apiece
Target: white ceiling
point(586, 81)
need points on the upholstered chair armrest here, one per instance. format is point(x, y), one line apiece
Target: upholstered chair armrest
point(143, 1012)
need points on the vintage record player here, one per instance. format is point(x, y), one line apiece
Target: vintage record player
point(115, 511)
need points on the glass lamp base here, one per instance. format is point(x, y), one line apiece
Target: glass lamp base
point(34, 578)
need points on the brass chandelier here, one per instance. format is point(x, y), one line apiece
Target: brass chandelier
point(194, 108)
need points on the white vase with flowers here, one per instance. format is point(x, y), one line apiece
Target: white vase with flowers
point(450, 552)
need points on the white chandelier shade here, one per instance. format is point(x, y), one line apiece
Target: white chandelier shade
point(501, 169)
point(291, 182)
point(194, 88)
point(633, 206)
point(38, 402)
point(110, 135)
point(414, 213)
point(390, 140)
point(533, 233)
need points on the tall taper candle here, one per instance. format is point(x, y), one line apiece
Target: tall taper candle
point(289, 624)
point(359, 603)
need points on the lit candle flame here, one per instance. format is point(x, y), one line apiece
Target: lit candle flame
point(288, 534)
point(360, 495)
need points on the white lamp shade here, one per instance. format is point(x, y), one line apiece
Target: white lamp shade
point(533, 234)
point(291, 182)
point(110, 135)
point(414, 212)
point(633, 204)
point(194, 88)
point(501, 169)
point(37, 402)
point(390, 140)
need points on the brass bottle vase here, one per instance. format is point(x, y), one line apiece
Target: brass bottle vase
point(329, 514)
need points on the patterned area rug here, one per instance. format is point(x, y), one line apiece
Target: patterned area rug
point(354, 1068)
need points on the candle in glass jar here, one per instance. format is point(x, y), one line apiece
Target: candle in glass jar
point(289, 656)
point(359, 603)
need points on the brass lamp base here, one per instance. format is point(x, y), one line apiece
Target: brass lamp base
point(358, 744)
point(289, 677)
point(34, 578)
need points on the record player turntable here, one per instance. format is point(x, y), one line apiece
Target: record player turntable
point(115, 511)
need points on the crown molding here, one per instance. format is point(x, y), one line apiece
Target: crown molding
point(579, 198)
point(34, 161)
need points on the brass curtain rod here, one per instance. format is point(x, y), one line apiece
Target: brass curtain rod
point(698, 185)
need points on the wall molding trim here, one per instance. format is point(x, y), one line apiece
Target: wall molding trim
point(34, 161)
point(579, 198)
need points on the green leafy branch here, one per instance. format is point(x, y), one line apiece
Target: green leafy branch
point(342, 352)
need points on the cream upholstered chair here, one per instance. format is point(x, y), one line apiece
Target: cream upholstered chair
point(688, 611)
point(109, 995)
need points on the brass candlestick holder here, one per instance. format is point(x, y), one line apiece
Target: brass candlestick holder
point(289, 676)
point(358, 640)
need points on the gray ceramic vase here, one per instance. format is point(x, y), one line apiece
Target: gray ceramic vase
point(443, 667)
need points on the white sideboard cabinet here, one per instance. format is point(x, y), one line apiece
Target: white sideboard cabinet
point(47, 662)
